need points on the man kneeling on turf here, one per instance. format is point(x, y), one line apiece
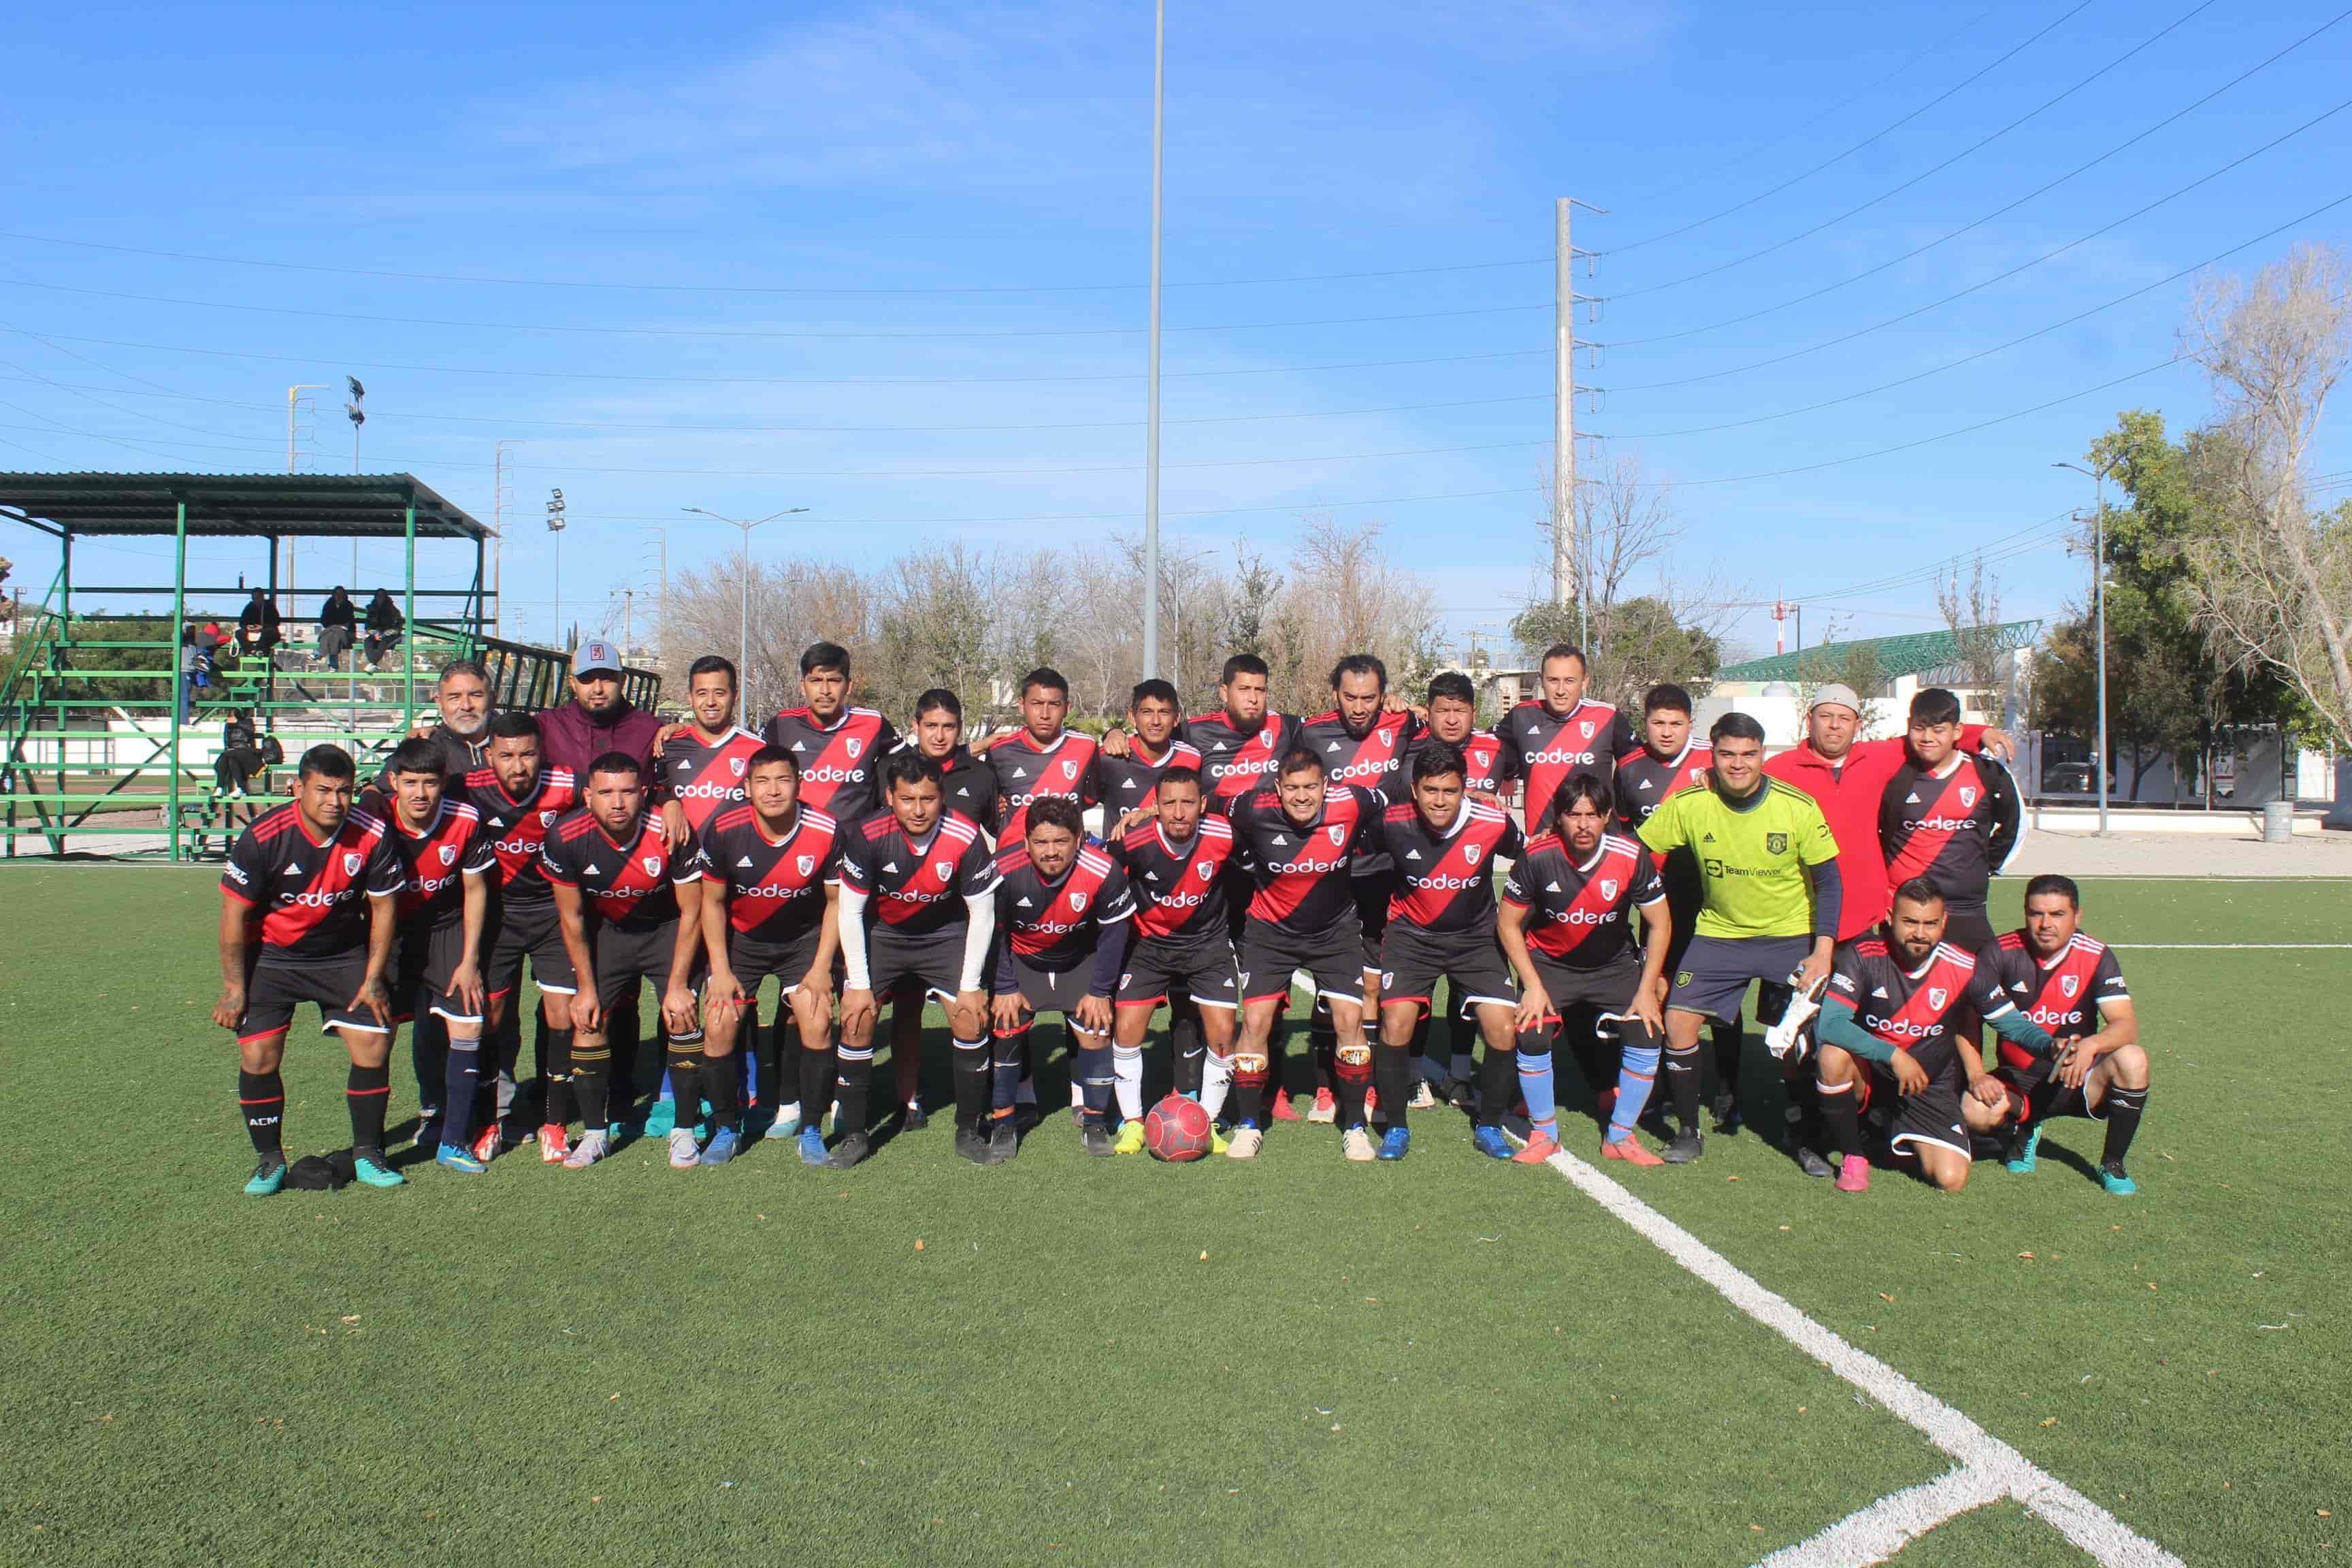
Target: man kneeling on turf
point(2071, 987)
point(1886, 1026)
point(1064, 914)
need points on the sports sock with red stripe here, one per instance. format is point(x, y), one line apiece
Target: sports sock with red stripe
point(261, 1097)
point(365, 1093)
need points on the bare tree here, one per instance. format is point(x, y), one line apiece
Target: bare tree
point(1343, 596)
point(1971, 606)
point(792, 602)
point(2273, 583)
point(1851, 664)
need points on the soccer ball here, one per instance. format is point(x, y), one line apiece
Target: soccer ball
point(1176, 1129)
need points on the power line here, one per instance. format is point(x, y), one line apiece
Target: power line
point(1128, 515)
point(2011, 207)
point(1916, 178)
point(1849, 151)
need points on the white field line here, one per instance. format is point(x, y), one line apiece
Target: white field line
point(1875, 1533)
point(2232, 946)
point(1992, 1461)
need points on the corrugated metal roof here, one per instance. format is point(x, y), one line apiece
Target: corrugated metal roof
point(310, 506)
point(1913, 653)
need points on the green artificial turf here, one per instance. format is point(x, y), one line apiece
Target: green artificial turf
point(1439, 1361)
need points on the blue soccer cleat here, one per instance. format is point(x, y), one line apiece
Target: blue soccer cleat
point(2021, 1159)
point(267, 1177)
point(722, 1147)
point(1393, 1143)
point(812, 1150)
point(370, 1169)
point(2111, 1176)
point(1490, 1141)
point(459, 1158)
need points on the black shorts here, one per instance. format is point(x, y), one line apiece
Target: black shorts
point(1412, 960)
point(1053, 990)
point(1930, 1116)
point(273, 989)
point(1715, 972)
point(429, 958)
point(624, 956)
point(1202, 967)
point(1333, 959)
point(753, 960)
point(528, 930)
point(1970, 930)
point(2036, 1097)
point(929, 964)
point(1609, 990)
point(1373, 915)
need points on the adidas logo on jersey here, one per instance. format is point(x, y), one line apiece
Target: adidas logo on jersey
point(1911, 799)
point(1879, 991)
point(1412, 854)
point(745, 861)
point(591, 871)
point(800, 745)
point(1647, 785)
point(1024, 903)
point(1332, 747)
point(890, 865)
point(1551, 887)
point(1127, 783)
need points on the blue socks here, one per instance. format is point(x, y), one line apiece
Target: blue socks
point(1634, 1079)
point(1535, 1088)
point(1095, 1077)
point(461, 1075)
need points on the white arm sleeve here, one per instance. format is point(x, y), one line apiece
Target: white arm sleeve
point(977, 935)
point(853, 939)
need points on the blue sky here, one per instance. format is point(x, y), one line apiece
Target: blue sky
point(889, 261)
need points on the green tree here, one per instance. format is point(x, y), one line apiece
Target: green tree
point(1635, 644)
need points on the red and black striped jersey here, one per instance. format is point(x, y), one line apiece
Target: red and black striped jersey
point(2062, 993)
point(1303, 872)
point(1445, 881)
point(841, 762)
point(630, 884)
point(1025, 769)
point(1236, 761)
point(1373, 760)
point(774, 887)
point(519, 828)
point(1911, 1009)
point(313, 894)
point(705, 777)
point(1953, 828)
point(1550, 748)
point(1489, 765)
point(917, 886)
point(1127, 782)
point(1180, 889)
point(1580, 912)
point(436, 860)
point(1054, 925)
point(1645, 780)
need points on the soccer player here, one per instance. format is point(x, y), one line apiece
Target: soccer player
point(2073, 987)
point(1768, 892)
point(1488, 768)
point(1669, 762)
point(1886, 1026)
point(322, 880)
point(1949, 817)
point(839, 747)
point(519, 801)
point(1042, 757)
point(918, 907)
point(1441, 845)
point(630, 907)
point(1127, 780)
point(1176, 865)
point(1561, 734)
point(1301, 839)
point(967, 788)
point(1063, 921)
point(770, 902)
point(599, 718)
point(1566, 926)
point(462, 695)
point(700, 769)
point(446, 863)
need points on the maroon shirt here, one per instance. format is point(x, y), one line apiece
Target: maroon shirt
point(569, 738)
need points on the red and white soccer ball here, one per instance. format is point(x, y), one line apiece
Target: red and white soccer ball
point(1177, 1129)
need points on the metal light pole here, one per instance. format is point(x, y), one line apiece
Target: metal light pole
point(555, 527)
point(2099, 615)
point(293, 402)
point(743, 609)
point(359, 417)
point(1151, 369)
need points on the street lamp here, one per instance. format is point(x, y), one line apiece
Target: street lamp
point(555, 527)
point(2098, 477)
point(743, 612)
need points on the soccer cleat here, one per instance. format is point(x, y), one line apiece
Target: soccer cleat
point(1629, 1149)
point(812, 1151)
point(1356, 1144)
point(2111, 1177)
point(1218, 1142)
point(852, 1150)
point(785, 1122)
point(683, 1154)
point(661, 1119)
point(486, 1143)
point(554, 1144)
point(268, 1176)
point(1372, 1105)
point(1686, 1147)
point(912, 1118)
point(722, 1147)
point(2022, 1152)
point(1326, 1108)
point(1003, 1142)
point(1098, 1142)
point(1809, 1162)
point(1462, 1094)
point(1423, 1097)
point(971, 1145)
point(1130, 1139)
point(370, 1169)
point(1244, 1143)
point(454, 1157)
point(1854, 1175)
point(594, 1145)
point(1394, 1143)
point(1728, 1119)
point(1540, 1147)
point(1490, 1141)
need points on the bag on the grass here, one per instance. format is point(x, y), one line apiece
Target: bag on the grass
point(322, 1173)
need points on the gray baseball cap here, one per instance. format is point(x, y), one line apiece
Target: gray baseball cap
point(1841, 696)
point(597, 654)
